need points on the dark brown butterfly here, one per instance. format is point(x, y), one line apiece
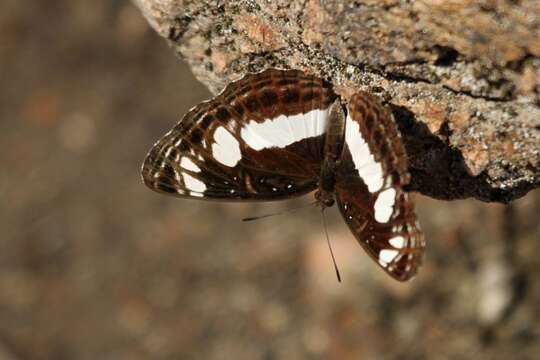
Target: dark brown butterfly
point(280, 134)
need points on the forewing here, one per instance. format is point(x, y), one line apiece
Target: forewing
point(260, 139)
point(369, 190)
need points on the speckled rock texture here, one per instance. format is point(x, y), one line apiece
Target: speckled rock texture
point(462, 77)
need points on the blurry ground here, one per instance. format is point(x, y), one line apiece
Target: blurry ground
point(95, 266)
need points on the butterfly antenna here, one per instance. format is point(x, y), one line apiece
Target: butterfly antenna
point(330, 246)
point(252, 218)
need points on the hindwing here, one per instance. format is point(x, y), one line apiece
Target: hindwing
point(369, 189)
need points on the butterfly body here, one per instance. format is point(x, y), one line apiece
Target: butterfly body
point(281, 134)
point(333, 147)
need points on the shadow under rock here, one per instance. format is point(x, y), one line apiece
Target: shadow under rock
point(439, 171)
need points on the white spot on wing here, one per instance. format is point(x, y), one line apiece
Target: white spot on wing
point(369, 170)
point(320, 121)
point(226, 148)
point(284, 130)
point(194, 185)
point(386, 256)
point(384, 205)
point(187, 164)
point(397, 241)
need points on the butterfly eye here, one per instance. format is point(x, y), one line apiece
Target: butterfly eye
point(329, 202)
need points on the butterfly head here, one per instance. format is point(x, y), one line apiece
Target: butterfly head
point(324, 198)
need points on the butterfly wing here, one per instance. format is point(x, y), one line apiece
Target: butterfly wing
point(369, 192)
point(260, 139)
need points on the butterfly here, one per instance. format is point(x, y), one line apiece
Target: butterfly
point(280, 134)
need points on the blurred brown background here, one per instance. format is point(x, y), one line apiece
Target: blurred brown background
point(95, 266)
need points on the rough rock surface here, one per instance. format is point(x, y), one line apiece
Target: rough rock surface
point(462, 77)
